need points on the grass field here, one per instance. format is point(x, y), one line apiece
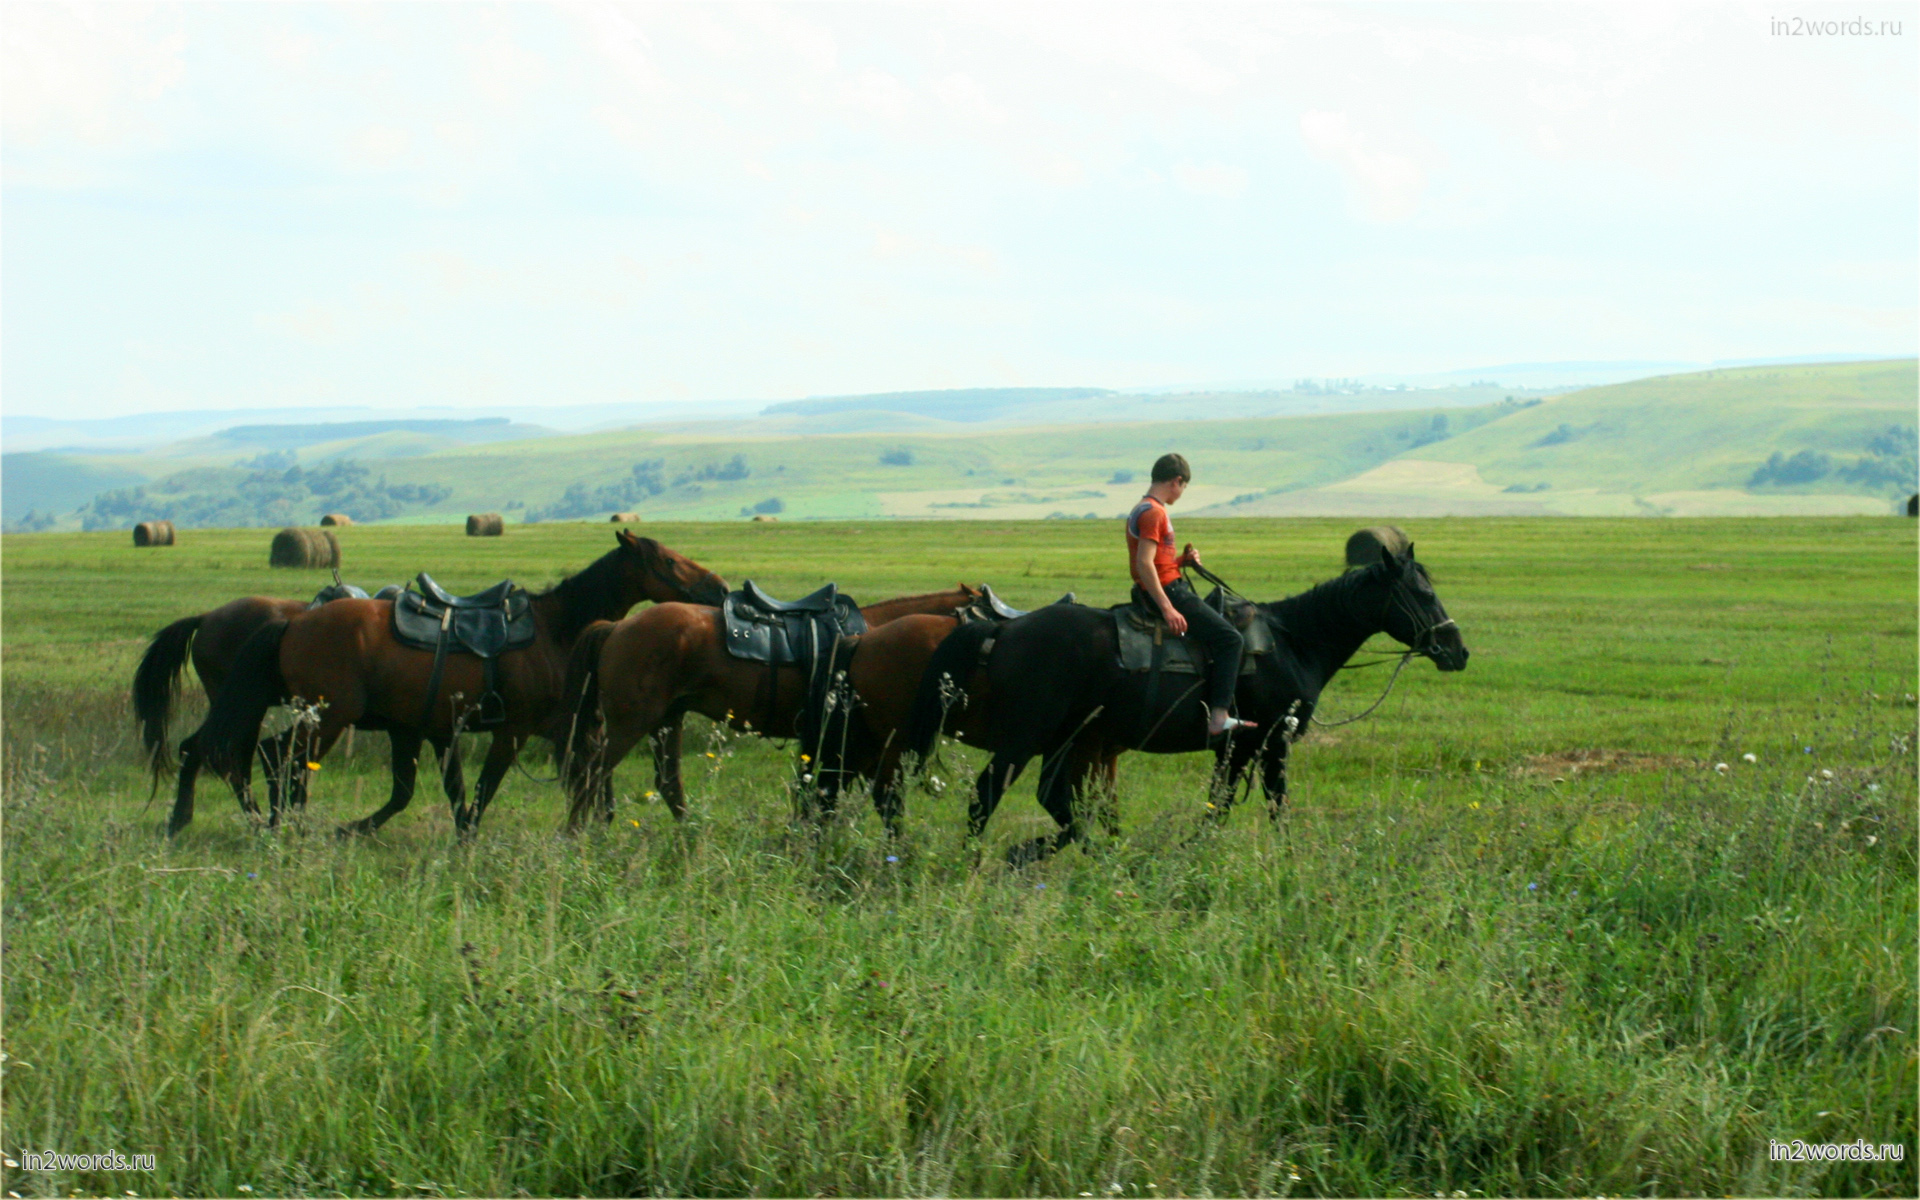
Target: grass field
point(1515, 935)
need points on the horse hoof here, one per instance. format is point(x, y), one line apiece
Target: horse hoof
point(1029, 852)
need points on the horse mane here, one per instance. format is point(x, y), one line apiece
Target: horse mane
point(582, 594)
point(1324, 595)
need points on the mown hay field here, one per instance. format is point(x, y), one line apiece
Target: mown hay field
point(1514, 935)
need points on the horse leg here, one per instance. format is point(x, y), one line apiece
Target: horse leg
point(1230, 764)
point(991, 786)
point(666, 771)
point(504, 748)
point(453, 776)
point(888, 799)
point(182, 814)
point(289, 753)
point(1273, 774)
point(1060, 777)
point(406, 766)
point(275, 757)
point(1102, 778)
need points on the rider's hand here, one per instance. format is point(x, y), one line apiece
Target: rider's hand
point(1189, 557)
point(1175, 622)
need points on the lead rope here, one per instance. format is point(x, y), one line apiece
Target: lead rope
point(1405, 655)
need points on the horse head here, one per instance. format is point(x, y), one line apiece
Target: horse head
point(1414, 615)
point(661, 573)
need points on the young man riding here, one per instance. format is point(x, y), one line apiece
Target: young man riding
point(1158, 586)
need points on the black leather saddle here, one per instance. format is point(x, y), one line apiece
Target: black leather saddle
point(760, 628)
point(1146, 644)
point(486, 625)
point(787, 633)
point(989, 607)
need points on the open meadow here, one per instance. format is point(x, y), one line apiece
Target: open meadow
point(1518, 933)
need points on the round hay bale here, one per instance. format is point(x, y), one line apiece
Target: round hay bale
point(336, 519)
point(1363, 548)
point(486, 525)
point(765, 517)
point(305, 548)
point(153, 533)
point(625, 518)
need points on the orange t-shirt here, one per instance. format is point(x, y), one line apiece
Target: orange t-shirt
point(1149, 521)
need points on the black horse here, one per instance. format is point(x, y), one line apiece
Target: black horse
point(1051, 684)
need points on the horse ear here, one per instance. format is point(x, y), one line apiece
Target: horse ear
point(626, 538)
point(1409, 551)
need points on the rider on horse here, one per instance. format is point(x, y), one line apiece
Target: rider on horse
point(1158, 586)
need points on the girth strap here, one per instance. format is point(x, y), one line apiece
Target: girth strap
point(439, 668)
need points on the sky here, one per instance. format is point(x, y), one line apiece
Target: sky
point(259, 205)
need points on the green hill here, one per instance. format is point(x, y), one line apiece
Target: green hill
point(1817, 439)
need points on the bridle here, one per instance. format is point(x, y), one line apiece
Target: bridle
point(1423, 645)
point(1426, 633)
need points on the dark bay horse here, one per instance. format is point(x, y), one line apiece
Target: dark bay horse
point(343, 657)
point(1052, 686)
point(637, 678)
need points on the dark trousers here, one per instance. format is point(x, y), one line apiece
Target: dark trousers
point(1210, 629)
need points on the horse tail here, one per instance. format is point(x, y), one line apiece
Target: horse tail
point(582, 690)
point(253, 685)
point(943, 686)
point(826, 718)
point(156, 685)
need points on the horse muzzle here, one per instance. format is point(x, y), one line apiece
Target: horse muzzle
point(1445, 647)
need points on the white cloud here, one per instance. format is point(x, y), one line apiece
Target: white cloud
point(1212, 179)
point(879, 94)
point(378, 147)
point(84, 70)
point(1389, 184)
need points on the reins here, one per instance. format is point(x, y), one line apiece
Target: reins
point(1422, 645)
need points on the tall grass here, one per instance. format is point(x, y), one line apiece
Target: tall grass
point(1491, 983)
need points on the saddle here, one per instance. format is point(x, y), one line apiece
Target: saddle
point(989, 607)
point(783, 633)
point(346, 591)
point(787, 633)
point(486, 625)
point(1146, 645)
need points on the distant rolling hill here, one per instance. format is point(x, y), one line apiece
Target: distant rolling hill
point(1827, 438)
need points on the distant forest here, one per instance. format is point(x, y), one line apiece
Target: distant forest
point(274, 492)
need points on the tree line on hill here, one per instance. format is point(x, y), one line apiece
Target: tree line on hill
point(646, 479)
point(1892, 459)
point(272, 493)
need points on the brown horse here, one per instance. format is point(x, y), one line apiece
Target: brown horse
point(342, 657)
point(637, 678)
point(211, 641)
